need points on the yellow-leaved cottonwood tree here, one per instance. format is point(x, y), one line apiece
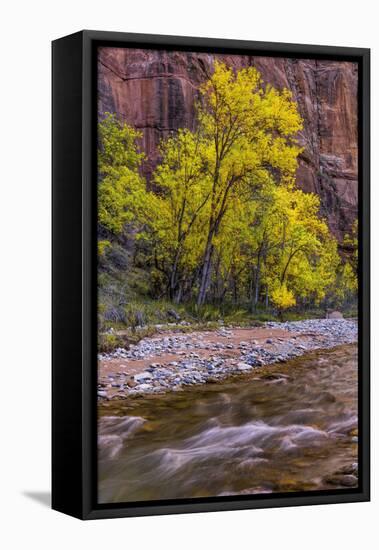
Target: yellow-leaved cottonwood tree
point(222, 219)
point(250, 131)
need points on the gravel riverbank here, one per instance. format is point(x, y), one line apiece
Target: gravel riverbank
point(170, 362)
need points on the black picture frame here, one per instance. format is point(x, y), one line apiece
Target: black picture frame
point(74, 367)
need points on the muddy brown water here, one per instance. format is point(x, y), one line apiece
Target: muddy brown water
point(283, 428)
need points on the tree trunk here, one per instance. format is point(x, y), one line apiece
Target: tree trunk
point(251, 288)
point(178, 296)
point(173, 276)
point(235, 290)
point(205, 273)
point(257, 285)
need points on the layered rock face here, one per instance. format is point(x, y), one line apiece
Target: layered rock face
point(155, 91)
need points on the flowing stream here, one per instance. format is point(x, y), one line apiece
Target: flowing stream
point(283, 428)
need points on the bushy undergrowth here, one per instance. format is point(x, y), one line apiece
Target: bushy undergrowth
point(124, 325)
point(127, 312)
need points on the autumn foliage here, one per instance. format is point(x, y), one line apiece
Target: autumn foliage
point(223, 219)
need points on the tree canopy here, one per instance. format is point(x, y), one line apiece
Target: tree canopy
point(223, 219)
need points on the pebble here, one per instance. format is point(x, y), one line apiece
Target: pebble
point(348, 480)
point(244, 366)
point(145, 387)
point(141, 377)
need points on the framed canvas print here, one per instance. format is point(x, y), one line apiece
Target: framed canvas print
point(210, 274)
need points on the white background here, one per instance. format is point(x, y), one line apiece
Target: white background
point(26, 31)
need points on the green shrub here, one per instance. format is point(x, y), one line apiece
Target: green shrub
point(109, 342)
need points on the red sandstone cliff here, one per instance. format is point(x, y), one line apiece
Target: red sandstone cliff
point(155, 91)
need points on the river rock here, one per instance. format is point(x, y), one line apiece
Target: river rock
point(144, 387)
point(244, 367)
point(142, 376)
point(334, 315)
point(349, 480)
point(344, 480)
point(349, 469)
point(275, 376)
